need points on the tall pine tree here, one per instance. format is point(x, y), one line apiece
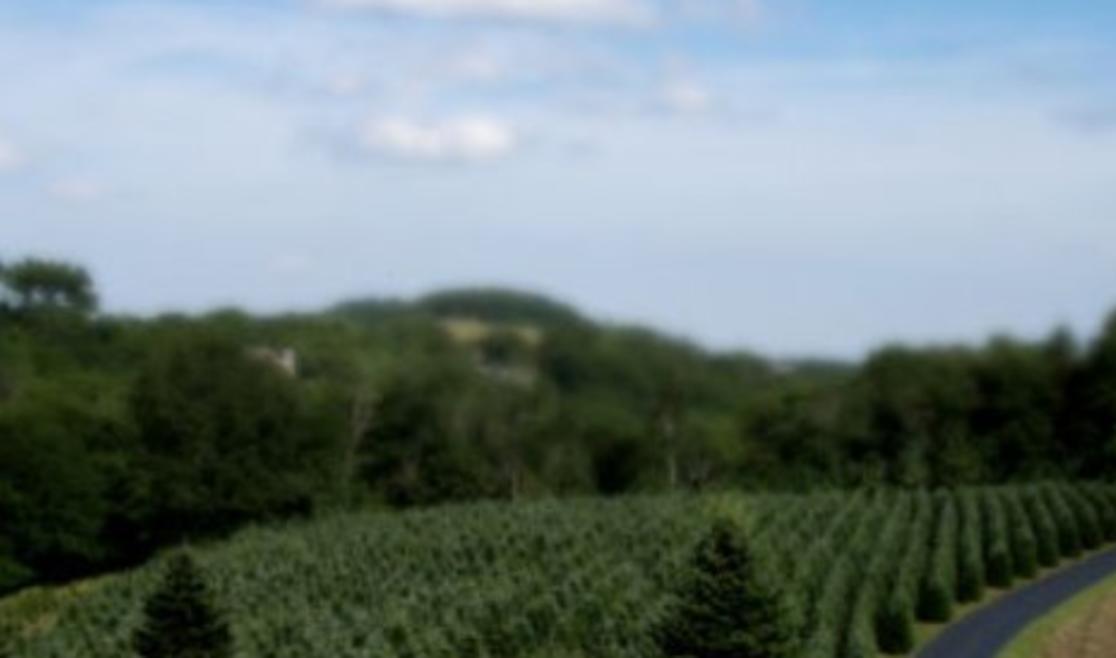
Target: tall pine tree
point(179, 618)
point(731, 606)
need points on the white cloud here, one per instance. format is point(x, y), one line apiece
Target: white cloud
point(737, 12)
point(685, 97)
point(564, 11)
point(462, 139)
point(10, 157)
point(76, 190)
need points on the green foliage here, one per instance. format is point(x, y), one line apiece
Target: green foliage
point(42, 285)
point(13, 574)
point(1106, 509)
point(499, 305)
point(180, 620)
point(1047, 547)
point(118, 435)
point(1024, 547)
point(731, 606)
point(970, 552)
point(895, 625)
point(573, 578)
point(54, 476)
point(223, 438)
point(896, 611)
point(1088, 519)
point(1069, 533)
point(999, 570)
point(1090, 407)
point(939, 577)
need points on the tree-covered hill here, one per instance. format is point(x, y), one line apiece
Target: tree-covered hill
point(500, 305)
point(503, 306)
point(119, 435)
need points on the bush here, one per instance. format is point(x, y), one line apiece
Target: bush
point(831, 610)
point(998, 565)
point(1046, 533)
point(935, 602)
point(1069, 534)
point(1088, 520)
point(1024, 551)
point(1106, 511)
point(895, 631)
point(970, 560)
point(861, 639)
point(882, 578)
point(939, 576)
point(999, 570)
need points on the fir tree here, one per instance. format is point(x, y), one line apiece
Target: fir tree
point(179, 618)
point(731, 607)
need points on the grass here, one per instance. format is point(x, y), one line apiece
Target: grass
point(35, 610)
point(469, 331)
point(1043, 632)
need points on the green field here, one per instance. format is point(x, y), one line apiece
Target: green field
point(585, 577)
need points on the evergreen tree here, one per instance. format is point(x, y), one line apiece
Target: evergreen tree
point(179, 618)
point(731, 606)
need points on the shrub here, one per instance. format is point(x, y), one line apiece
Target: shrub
point(970, 560)
point(1024, 552)
point(1069, 534)
point(997, 555)
point(936, 587)
point(861, 639)
point(895, 624)
point(1088, 520)
point(935, 601)
point(1046, 533)
point(1106, 511)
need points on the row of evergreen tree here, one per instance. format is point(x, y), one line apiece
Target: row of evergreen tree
point(918, 555)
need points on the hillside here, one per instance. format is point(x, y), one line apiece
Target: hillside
point(121, 435)
point(589, 577)
point(498, 306)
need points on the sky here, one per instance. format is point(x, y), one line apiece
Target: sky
point(791, 176)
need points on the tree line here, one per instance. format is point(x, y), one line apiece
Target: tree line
point(122, 434)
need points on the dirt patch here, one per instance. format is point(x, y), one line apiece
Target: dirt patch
point(1090, 635)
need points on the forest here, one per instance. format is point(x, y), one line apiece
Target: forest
point(120, 435)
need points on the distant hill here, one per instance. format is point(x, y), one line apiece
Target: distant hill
point(370, 310)
point(500, 305)
point(486, 306)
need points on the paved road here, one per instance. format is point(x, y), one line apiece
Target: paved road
point(986, 631)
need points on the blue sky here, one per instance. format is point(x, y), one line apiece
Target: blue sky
point(795, 176)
